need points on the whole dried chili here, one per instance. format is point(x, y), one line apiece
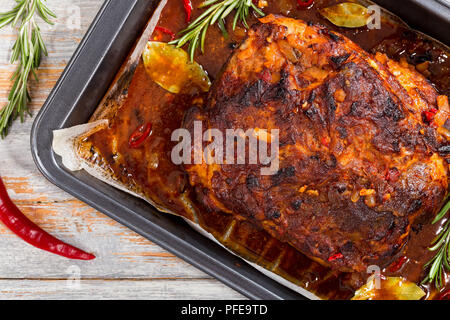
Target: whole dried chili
point(166, 31)
point(18, 223)
point(305, 3)
point(138, 137)
point(188, 9)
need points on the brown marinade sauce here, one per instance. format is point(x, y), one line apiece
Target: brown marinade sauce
point(151, 169)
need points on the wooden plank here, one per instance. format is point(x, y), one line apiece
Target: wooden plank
point(93, 289)
point(120, 252)
point(128, 266)
point(74, 17)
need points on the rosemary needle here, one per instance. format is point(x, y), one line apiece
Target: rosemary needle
point(215, 11)
point(27, 51)
point(441, 261)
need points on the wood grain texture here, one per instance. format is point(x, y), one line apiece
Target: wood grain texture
point(114, 289)
point(128, 266)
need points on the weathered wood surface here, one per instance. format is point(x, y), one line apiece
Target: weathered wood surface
point(128, 266)
point(200, 289)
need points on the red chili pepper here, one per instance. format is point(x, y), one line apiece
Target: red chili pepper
point(429, 115)
point(335, 257)
point(188, 9)
point(18, 223)
point(166, 31)
point(445, 295)
point(305, 3)
point(397, 265)
point(138, 137)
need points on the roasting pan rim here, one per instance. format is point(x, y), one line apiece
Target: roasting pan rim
point(74, 88)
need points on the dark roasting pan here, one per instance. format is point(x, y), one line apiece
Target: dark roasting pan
point(81, 88)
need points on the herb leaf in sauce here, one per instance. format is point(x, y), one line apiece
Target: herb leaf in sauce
point(216, 11)
point(392, 288)
point(171, 68)
point(347, 14)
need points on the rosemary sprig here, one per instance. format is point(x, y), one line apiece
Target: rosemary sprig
point(441, 261)
point(216, 11)
point(27, 50)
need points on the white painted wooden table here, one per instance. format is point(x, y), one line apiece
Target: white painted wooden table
point(127, 265)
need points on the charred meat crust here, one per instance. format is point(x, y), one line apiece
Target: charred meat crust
point(358, 164)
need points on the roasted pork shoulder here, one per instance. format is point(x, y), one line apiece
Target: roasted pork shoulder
point(363, 144)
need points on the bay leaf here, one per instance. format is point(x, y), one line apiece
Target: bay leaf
point(173, 70)
point(347, 14)
point(391, 288)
